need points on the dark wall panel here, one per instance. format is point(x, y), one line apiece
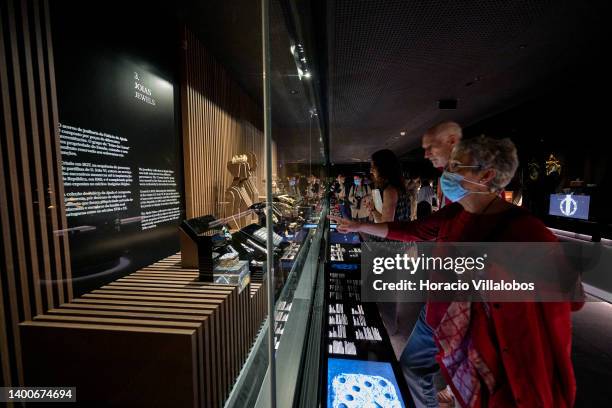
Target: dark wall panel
point(118, 111)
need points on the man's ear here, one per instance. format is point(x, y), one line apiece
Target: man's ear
point(452, 139)
point(487, 176)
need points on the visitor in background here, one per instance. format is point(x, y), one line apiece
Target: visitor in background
point(386, 171)
point(313, 186)
point(370, 184)
point(309, 186)
point(292, 181)
point(413, 184)
point(425, 199)
point(340, 192)
point(316, 188)
point(302, 186)
point(358, 193)
point(426, 192)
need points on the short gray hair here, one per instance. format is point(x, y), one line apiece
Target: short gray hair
point(445, 129)
point(490, 153)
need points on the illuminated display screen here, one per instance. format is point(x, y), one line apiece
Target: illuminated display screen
point(344, 266)
point(339, 238)
point(358, 383)
point(570, 206)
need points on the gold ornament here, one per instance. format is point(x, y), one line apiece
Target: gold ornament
point(553, 165)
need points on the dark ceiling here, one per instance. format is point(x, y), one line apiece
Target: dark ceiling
point(385, 64)
point(391, 61)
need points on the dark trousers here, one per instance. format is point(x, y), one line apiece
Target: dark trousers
point(418, 362)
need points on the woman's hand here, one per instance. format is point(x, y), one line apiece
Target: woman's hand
point(344, 225)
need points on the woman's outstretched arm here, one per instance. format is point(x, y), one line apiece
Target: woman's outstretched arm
point(345, 225)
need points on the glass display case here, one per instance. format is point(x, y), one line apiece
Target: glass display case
point(299, 189)
point(330, 349)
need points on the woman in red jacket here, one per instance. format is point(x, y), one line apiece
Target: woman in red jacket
point(505, 354)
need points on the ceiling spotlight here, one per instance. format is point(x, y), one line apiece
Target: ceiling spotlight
point(402, 133)
point(293, 92)
point(307, 75)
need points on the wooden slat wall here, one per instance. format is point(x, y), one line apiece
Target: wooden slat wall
point(33, 250)
point(108, 333)
point(219, 121)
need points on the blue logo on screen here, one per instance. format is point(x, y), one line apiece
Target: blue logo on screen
point(569, 205)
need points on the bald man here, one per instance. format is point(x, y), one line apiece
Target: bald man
point(418, 359)
point(438, 142)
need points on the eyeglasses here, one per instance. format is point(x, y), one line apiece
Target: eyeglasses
point(455, 165)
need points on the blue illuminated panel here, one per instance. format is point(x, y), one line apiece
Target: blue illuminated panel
point(339, 238)
point(358, 383)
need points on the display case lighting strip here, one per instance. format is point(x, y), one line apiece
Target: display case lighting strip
point(606, 242)
point(570, 234)
point(598, 293)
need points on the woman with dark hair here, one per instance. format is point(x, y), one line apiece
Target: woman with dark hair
point(387, 173)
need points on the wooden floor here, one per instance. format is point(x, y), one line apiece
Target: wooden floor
point(157, 337)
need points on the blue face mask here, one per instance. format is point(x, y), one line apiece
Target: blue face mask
point(357, 182)
point(452, 188)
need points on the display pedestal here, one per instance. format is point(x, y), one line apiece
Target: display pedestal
point(197, 246)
